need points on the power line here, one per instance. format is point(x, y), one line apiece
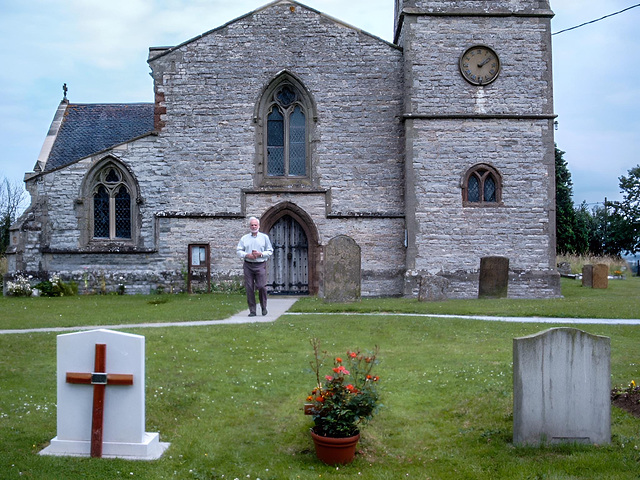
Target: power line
point(597, 19)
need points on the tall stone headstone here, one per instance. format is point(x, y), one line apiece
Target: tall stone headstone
point(121, 417)
point(494, 277)
point(601, 276)
point(342, 270)
point(561, 388)
point(587, 276)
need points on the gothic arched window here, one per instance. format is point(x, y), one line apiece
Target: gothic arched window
point(286, 135)
point(285, 115)
point(111, 207)
point(482, 185)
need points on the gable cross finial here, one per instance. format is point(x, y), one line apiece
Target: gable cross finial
point(64, 90)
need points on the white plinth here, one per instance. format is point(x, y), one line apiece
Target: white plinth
point(151, 448)
point(124, 405)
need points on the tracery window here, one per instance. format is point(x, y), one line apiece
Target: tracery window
point(111, 212)
point(482, 185)
point(285, 114)
point(286, 134)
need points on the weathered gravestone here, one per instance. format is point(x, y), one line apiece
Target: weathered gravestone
point(101, 402)
point(342, 270)
point(600, 276)
point(494, 277)
point(433, 288)
point(561, 388)
point(587, 276)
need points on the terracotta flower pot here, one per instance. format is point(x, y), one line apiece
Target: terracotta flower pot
point(335, 451)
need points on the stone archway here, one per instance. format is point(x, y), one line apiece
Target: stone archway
point(301, 235)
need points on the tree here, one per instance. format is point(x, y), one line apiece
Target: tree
point(625, 227)
point(566, 241)
point(584, 228)
point(12, 195)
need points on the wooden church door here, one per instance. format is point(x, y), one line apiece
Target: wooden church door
point(288, 270)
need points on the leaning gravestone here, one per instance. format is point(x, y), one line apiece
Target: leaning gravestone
point(561, 388)
point(587, 276)
point(342, 270)
point(494, 277)
point(600, 276)
point(101, 403)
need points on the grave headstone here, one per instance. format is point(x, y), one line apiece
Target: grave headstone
point(564, 268)
point(600, 276)
point(561, 388)
point(494, 277)
point(433, 288)
point(101, 397)
point(342, 270)
point(587, 276)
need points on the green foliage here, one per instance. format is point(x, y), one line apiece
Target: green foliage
point(348, 398)
point(606, 230)
point(566, 235)
point(55, 287)
point(626, 214)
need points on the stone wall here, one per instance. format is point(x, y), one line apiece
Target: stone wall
point(506, 124)
point(392, 132)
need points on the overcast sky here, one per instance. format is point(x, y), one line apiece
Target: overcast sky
point(99, 49)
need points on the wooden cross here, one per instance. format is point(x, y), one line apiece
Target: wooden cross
point(99, 379)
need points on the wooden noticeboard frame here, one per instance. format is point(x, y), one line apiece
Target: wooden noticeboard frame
point(199, 262)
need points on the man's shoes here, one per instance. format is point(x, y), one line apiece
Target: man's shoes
point(264, 312)
point(252, 314)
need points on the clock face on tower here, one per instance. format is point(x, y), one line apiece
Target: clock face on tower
point(479, 65)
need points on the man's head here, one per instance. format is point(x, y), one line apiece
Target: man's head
point(254, 225)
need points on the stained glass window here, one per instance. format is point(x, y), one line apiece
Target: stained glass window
point(111, 205)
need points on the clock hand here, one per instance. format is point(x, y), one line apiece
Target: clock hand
point(484, 62)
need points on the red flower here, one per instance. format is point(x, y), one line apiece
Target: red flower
point(338, 360)
point(320, 399)
point(353, 354)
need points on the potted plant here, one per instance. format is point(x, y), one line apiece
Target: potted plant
point(341, 403)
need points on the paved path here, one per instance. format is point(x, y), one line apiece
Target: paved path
point(583, 321)
point(279, 306)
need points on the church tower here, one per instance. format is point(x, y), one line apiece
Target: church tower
point(478, 116)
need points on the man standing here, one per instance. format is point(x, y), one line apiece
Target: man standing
point(255, 248)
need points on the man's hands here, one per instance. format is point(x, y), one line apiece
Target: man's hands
point(253, 255)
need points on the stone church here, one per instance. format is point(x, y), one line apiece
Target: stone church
point(429, 153)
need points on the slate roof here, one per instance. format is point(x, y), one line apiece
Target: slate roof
point(90, 128)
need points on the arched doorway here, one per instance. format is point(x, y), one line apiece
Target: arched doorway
point(292, 270)
point(288, 270)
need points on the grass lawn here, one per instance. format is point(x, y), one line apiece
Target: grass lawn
point(229, 397)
